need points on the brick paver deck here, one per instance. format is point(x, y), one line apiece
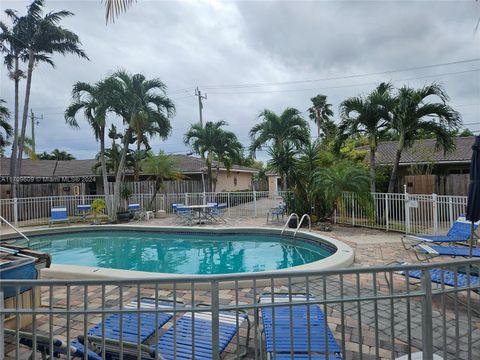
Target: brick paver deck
point(371, 247)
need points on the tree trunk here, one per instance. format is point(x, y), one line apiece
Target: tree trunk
point(28, 86)
point(13, 156)
point(119, 176)
point(216, 179)
point(372, 169)
point(209, 174)
point(106, 190)
point(284, 182)
point(157, 187)
point(393, 176)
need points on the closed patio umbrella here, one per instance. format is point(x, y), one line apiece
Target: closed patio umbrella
point(473, 204)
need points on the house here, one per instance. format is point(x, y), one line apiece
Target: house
point(424, 169)
point(78, 177)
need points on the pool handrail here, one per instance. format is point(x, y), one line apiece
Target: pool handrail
point(15, 229)
point(286, 223)
point(300, 224)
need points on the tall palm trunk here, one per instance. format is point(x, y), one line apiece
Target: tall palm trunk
point(103, 163)
point(13, 156)
point(398, 155)
point(209, 172)
point(373, 149)
point(119, 177)
point(28, 86)
point(284, 182)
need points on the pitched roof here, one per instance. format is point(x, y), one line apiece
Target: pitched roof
point(192, 164)
point(424, 151)
point(48, 168)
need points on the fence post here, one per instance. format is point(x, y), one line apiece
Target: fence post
point(435, 213)
point(353, 209)
point(186, 199)
point(450, 210)
point(2, 326)
point(427, 331)
point(228, 203)
point(15, 212)
point(215, 321)
point(387, 213)
point(407, 213)
point(254, 203)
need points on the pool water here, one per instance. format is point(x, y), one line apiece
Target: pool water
point(178, 253)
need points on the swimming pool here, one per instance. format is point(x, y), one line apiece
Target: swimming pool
point(181, 252)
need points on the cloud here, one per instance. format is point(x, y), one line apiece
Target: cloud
point(218, 44)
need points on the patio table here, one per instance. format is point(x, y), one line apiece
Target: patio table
point(200, 209)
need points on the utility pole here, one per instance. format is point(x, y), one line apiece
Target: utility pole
point(200, 104)
point(33, 130)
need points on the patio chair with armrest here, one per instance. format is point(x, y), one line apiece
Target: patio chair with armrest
point(216, 212)
point(185, 214)
point(459, 232)
point(286, 330)
point(276, 213)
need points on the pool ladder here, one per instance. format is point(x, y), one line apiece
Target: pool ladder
point(299, 223)
point(16, 230)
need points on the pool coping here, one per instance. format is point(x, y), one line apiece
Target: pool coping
point(343, 256)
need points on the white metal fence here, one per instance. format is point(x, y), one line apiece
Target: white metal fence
point(356, 313)
point(409, 213)
point(36, 210)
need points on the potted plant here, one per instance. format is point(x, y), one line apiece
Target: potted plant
point(97, 208)
point(123, 215)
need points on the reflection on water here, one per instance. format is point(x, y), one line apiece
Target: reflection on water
point(179, 253)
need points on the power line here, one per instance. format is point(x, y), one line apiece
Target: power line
point(340, 77)
point(339, 86)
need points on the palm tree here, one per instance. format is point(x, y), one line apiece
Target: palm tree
point(113, 8)
point(92, 100)
point(331, 182)
point(412, 113)
point(56, 154)
point(368, 115)
point(42, 36)
point(213, 143)
point(161, 167)
point(145, 110)
point(320, 112)
point(284, 161)
point(13, 47)
point(4, 125)
point(288, 127)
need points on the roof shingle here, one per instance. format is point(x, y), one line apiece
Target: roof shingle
point(424, 151)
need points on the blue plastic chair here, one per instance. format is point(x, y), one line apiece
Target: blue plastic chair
point(58, 215)
point(216, 211)
point(459, 232)
point(286, 320)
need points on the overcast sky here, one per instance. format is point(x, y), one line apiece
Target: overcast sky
point(249, 56)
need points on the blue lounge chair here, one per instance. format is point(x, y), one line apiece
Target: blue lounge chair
point(177, 342)
point(58, 215)
point(432, 251)
point(112, 331)
point(448, 277)
point(284, 321)
point(183, 339)
point(459, 232)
